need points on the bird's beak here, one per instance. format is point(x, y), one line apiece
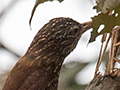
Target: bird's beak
point(86, 26)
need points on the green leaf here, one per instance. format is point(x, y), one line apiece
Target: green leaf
point(109, 22)
point(34, 8)
point(105, 6)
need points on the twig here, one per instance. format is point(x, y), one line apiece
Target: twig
point(117, 60)
point(115, 38)
point(2, 46)
point(99, 61)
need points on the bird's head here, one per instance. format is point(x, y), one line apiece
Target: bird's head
point(39, 68)
point(59, 37)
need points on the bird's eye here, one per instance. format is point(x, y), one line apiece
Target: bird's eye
point(74, 30)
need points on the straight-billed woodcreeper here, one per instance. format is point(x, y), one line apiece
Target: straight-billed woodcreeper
point(39, 68)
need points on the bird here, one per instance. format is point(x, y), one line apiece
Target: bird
point(39, 68)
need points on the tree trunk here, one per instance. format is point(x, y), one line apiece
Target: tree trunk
point(106, 82)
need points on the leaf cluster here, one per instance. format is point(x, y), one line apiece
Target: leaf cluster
point(109, 16)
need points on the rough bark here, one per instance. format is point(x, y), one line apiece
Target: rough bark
point(106, 82)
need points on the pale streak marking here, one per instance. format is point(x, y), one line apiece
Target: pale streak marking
point(48, 59)
point(39, 63)
point(49, 44)
point(37, 57)
point(41, 49)
point(57, 32)
point(37, 43)
point(53, 24)
point(51, 82)
point(48, 68)
point(31, 63)
point(55, 69)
